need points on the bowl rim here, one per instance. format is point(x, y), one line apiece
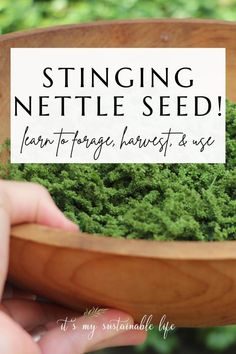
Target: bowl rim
point(163, 250)
point(103, 23)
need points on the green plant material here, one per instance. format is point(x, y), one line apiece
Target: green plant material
point(219, 338)
point(145, 201)
point(24, 14)
point(158, 343)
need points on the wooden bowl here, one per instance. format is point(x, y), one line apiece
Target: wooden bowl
point(193, 283)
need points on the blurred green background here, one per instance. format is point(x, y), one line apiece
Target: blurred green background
point(20, 14)
point(17, 15)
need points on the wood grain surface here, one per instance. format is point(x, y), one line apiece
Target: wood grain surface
point(193, 283)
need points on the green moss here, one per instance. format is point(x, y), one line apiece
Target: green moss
point(149, 201)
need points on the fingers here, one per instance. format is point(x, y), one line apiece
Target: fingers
point(29, 202)
point(4, 240)
point(133, 337)
point(80, 340)
point(31, 314)
point(13, 339)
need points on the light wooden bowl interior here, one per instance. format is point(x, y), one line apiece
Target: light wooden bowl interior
point(193, 283)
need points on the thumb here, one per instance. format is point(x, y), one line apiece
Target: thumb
point(31, 203)
point(85, 334)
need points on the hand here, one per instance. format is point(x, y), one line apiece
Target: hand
point(22, 202)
